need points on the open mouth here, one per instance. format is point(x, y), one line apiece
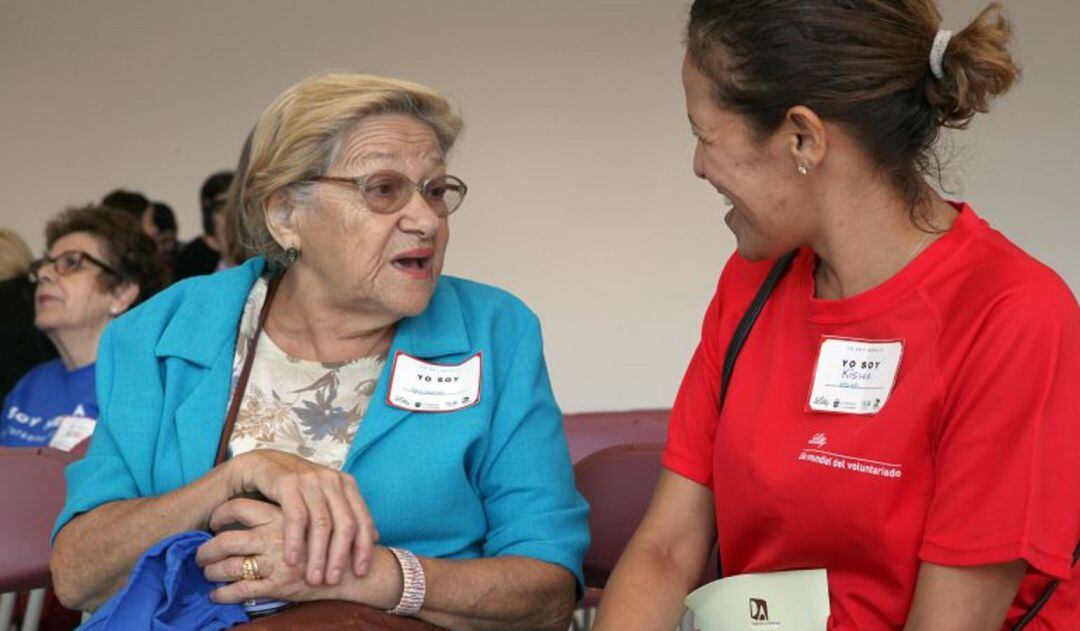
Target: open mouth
point(415, 263)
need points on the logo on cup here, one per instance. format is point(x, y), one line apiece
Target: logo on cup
point(759, 609)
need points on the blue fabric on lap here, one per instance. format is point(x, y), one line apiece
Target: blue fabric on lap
point(167, 591)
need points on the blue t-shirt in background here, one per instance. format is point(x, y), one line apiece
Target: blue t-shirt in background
point(34, 408)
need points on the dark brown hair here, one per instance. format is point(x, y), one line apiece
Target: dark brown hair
point(123, 245)
point(862, 63)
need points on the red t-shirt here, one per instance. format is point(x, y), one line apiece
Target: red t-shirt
point(973, 459)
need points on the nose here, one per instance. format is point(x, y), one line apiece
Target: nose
point(699, 162)
point(418, 217)
point(46, 273)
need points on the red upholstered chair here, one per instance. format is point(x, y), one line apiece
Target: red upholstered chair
point(31, 496)
point(589, 432)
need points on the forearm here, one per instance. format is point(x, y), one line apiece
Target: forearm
point(647, 589)
point(497, 593)
point(494, 593)
point(94, 553)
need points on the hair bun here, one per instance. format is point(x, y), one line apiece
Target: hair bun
point(978, 67)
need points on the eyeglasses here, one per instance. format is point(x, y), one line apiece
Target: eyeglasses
point(386, 192)
point(65, 263)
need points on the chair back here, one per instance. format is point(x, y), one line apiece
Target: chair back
point(589, 432)
point(31, 496)
point(618, 483)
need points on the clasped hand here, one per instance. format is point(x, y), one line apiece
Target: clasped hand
point(305, 542)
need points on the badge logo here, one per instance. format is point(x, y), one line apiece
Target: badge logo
point(759, 609)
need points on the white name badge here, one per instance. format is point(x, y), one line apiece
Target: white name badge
point(72, 431)
point(421, 386)
point(854, 376)
point(785, 601)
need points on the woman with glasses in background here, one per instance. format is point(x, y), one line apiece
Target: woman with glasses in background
point(345, 385)
point(98, 265)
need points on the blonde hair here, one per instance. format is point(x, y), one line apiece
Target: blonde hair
point(298, 136)
point(15, 255)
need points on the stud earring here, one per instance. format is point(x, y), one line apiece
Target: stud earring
point(291, 254)
point(803, 169)
point(113, 311)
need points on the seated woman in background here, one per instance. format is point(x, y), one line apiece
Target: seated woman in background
point(344, 382)
point(99, 264)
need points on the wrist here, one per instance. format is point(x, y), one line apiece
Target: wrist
point(380, 588)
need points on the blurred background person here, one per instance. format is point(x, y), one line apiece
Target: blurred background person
point(202, 254)
point(99, 264)
point(164, 220)
point(22, 346)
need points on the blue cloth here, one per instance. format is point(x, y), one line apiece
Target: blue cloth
point(167, 590)
point(36, 405)
point(493, 479)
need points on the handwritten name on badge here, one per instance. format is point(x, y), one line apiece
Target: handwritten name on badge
point(854, 376)
point(421, 386)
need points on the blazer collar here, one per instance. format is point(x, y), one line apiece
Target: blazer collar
point(209, 314)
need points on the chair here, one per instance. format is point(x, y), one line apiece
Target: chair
point(589, 432)
point(30, 500)
point(618, 482)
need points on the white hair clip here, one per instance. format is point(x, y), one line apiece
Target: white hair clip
point(937, 52)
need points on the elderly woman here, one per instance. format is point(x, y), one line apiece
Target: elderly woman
point(346, 382)
point(98, 266)
point(903, 414)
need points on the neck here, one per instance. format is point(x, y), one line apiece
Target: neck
point(77, 348)
point(866, 239)
point(211, 242)
point(309, 320)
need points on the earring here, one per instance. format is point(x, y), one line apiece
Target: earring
point(291, 254)
point(114, 311)
point(803, 169)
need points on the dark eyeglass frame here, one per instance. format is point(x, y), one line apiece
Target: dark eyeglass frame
point(67, 268)
point(359, 183)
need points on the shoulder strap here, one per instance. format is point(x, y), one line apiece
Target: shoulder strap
point(245, 373)
point(738, 338)
point(743, 330)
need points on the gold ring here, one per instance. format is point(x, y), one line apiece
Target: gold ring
point(251, 569)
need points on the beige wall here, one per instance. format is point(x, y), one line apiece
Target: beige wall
point(576, 150)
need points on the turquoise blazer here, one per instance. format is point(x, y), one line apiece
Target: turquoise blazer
point(493, 479)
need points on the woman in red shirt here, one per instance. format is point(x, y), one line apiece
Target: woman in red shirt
point(904, 411)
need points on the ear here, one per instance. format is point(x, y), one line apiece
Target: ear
point(808, 138)
point(123, 296)
point(282, 219)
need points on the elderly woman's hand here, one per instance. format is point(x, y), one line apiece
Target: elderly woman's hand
point(263, 537)
point(323, 503)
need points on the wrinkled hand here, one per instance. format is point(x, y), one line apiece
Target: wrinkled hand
point(320, 504)
point(222, 558)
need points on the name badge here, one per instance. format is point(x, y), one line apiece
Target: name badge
point(421, 386)
point(789, 601)
point(854, 376)
point(72, 431)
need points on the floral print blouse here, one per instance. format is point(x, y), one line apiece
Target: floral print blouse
point(294, 405)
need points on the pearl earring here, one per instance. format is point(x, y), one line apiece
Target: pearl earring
point(803, 169)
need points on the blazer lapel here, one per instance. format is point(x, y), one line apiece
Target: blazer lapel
point(203, 333)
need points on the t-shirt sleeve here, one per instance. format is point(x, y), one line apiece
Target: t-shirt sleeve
point(102, 475)
point(692, 426)
point(526, 479)
point(1008, 452)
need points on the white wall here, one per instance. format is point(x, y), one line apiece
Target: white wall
point(576, 149)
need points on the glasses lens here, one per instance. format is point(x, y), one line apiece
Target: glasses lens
point(68, 262)
point(444, 193)
point(386, 191)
